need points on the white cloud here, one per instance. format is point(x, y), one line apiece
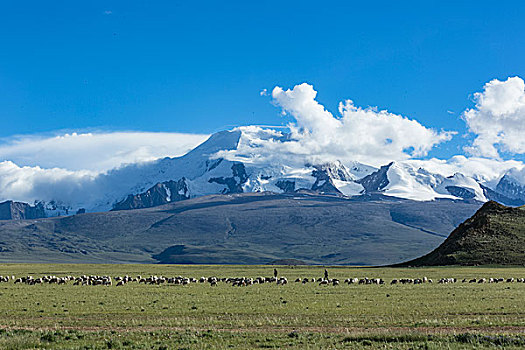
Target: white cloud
point(359, 134)
point(366, 135)
point(311, 117)
point(95, 151)
point(34, 183)
point(498, 119)
point(70, 168)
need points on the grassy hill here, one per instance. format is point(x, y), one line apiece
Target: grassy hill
point(250, 228)
point(494, 235)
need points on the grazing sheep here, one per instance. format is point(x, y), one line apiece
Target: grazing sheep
point(282, 281)
point(106, 280)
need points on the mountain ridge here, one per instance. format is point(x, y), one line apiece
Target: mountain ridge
point(251, 228)
point(231, 162)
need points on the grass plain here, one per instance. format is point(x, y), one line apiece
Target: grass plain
point(295, 316)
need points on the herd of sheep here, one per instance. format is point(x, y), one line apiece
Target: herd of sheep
point(234, 281)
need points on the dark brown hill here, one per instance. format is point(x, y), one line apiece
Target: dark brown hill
point(494, 235)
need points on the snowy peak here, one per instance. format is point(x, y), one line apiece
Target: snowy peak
point(516, 175)
point(220, 141)
point(376, 181)
point(335, 178)
point(335, 171)
point(325, 176)
point(116, 186)
point(406, 181)
point(512, 184)
point(464, 187)
point(403, 180)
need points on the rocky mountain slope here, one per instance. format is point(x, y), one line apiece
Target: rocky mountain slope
point(10, 210)
point(494, 235)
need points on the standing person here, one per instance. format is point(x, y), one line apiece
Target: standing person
point(275, 273)
point(325, 274)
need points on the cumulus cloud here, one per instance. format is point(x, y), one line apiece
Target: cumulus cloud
point(95, 151)
point(316, 135)
point(498, 119)
point(30, 184)
point(359, 133)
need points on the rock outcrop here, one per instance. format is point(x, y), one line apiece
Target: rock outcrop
point(10, 210)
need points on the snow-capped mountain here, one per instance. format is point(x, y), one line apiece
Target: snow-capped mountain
point(404, 180)
point(251, 159)
point(512, 184)
point(248, 171)
point(203, 171)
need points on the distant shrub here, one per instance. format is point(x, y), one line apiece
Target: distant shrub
point(499, 340)
point(49, 337)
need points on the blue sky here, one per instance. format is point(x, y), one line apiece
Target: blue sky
point(199, 67)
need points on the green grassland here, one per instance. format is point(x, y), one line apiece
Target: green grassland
point(434, 316)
